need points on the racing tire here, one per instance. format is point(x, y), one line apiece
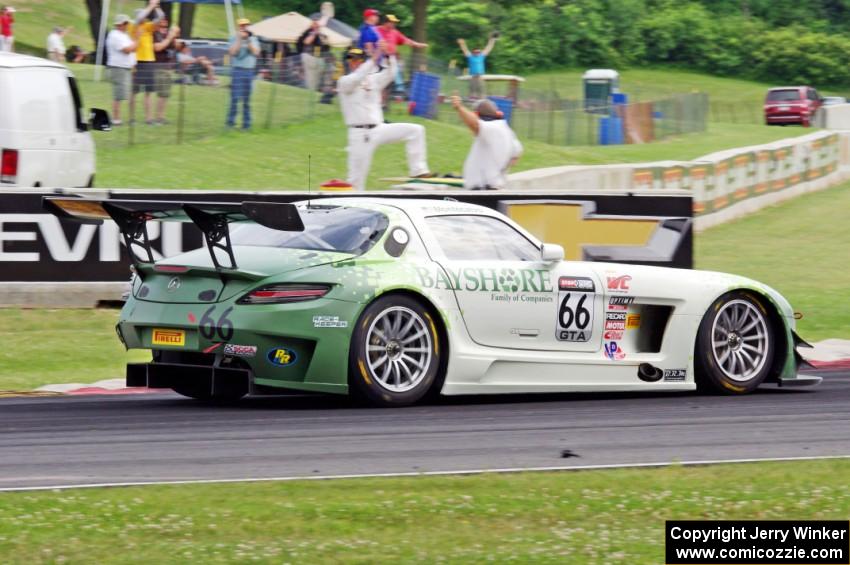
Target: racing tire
point(394, 358)
point(735, 345)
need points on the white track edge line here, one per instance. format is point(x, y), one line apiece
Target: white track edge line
point(428, 473)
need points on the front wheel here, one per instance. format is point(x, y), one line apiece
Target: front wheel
point(735, 345)
point(395, 352)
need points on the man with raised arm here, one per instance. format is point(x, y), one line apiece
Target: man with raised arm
point(360, 97)
point(495, 149)
point(476, 64)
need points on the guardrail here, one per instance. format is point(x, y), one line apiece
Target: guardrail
point(725, 185)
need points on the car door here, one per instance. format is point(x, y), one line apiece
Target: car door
point(509, 297)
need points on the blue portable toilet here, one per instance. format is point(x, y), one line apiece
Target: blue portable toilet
point(424, 95)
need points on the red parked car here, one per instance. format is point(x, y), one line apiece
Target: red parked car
point(791, 105)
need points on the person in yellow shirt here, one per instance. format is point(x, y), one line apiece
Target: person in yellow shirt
point(144, 79)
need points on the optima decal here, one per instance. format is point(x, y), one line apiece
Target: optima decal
point(620, 302)
point(281, 357)
point(486, 280)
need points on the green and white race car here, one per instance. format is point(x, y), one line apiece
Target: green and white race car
point(393, 300)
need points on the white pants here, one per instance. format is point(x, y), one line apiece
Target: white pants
point(7, 43)
point(363, 142)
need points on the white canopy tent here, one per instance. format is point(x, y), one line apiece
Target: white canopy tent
point(287, 28)
point(104, 17)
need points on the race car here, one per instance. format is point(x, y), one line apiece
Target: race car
point(395, 300)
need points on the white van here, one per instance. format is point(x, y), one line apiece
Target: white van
point(44, 132)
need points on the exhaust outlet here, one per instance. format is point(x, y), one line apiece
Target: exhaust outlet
point(648, 373)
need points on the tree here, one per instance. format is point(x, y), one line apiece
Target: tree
point(420, 21)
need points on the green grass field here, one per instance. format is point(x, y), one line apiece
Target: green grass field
point(614, 516)
point(51, 346)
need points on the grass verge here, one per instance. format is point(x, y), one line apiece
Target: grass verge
point(800, 249)
point(614, 516)
point(56, 346)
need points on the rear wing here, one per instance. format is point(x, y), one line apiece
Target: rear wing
point(212, 218)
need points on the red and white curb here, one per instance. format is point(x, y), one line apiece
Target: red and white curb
point(829, 354)
point(107, 386)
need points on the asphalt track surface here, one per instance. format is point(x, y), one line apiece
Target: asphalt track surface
point(163, 437)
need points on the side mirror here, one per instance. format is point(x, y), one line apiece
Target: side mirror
point(551, 252)
point(100, 120)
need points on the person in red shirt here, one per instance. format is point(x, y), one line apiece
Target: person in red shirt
point(393, 38)
point(7, 38)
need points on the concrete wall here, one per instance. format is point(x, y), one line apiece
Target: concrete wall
point(725, 185)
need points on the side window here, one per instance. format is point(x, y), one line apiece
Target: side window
point(480, 238)
point(78, 105)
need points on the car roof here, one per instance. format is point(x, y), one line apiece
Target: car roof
point(428, 206)
point(788, 88)
point(18, 61)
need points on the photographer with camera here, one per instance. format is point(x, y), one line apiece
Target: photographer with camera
point(144, 78)
point(475, 62)
point(244, 49)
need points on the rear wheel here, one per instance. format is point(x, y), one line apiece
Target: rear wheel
point(735, 345)
point(395, 352)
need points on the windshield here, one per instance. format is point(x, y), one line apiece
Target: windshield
point(783, 95)
point(326, 228)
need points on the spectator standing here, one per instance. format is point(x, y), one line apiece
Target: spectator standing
point(244, 50)
point(313, 47)
point(360, 97)
point(55, 44)
point(495, 149)
point(7, 37)
point(369, 37)
point(476, 64)
point(120, 58)
point(393, 38)
point(164, 42)
point(144, 79)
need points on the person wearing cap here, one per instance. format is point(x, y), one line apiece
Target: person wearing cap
point(393, 38)
point(360, 98)
point(495, 149)
point(120, 60)
point(244, 49)
point(144, 79)
point(7, 37)
point(369, 37)
point(475, 62)
point(55, 44)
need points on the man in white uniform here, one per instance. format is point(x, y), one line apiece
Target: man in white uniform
point(360, 97)
point(495, 149)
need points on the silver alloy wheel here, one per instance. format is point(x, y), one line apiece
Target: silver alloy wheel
point(739, 340)
point(398, 348)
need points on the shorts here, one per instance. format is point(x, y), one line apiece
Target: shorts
point(163, 82)
point(144, 79)
point(122, 80)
